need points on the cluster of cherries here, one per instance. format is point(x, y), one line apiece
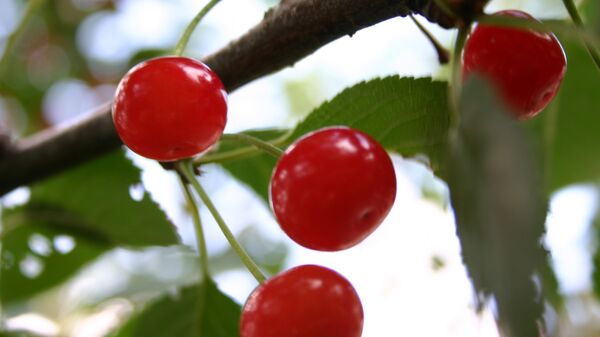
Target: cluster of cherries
point(332, 187)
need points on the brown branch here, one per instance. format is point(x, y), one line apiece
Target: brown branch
point(289, 32)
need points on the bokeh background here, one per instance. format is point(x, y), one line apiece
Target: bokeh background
point(409, 273)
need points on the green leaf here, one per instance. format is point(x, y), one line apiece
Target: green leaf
point(90, 204)
point(406, 115)
point(254, 171)
point(498, 199)
point(98, 194)
point(195, 307)
point(569, 134)
point(40, 252)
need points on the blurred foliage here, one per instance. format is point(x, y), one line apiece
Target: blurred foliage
point(100, 193)
point(33, 259)
point(570, 133)
point(269, 255)
point(499, 206)
point(567, 131)
point(91, 204)
point(304, 94)
point(200, 307)
point(46, 52)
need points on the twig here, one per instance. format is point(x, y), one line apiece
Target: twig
point(442, 52)
point(289, 32)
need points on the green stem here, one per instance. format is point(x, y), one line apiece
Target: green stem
point(258, 143)
point(202, 253)
point(236, 154)
point(31, 7)
point(240, 153)
point(572, 9)
point(183, 41)
point(200, 239)
point(456, 75)
point(443, 54)
point(186, 169)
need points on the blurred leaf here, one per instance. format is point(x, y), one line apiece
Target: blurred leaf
point(40, 253)
point(182, 315)
point(406, 115)
point(569, 136)
point(497, 195)
point(304, 94)
point(146, 54)
point(268, 254)
point(45, 54)
point(98, 193)
point(590, 11)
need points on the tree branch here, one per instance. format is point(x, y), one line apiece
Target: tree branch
point(289, 32)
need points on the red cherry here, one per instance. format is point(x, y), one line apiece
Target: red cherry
point(526, 66)
point(170, 108)
point(306, 301)
point(332, 188)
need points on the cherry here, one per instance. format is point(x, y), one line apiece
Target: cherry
point(305, 301)
point(526, 66)
point(332, 188)
point(170, 108)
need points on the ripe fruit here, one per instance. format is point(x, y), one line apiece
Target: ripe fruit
point(332, 188)
point(306, 301)
point(526, 66)
point(170, 108)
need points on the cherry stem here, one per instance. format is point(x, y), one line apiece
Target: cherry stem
point(576, 18)
point(456, 74)
point(200, 239)
point(185, 38)
point(443, 53)
point(28, 12)
point(239, 153)
point(202, 251)
point(258, 143)
point(186, 169)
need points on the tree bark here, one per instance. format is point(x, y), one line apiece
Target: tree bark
point(289, 32)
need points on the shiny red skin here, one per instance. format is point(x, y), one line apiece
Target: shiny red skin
point(170, 108)
point(332, 188)
point(526, 66)
point(305, 301)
